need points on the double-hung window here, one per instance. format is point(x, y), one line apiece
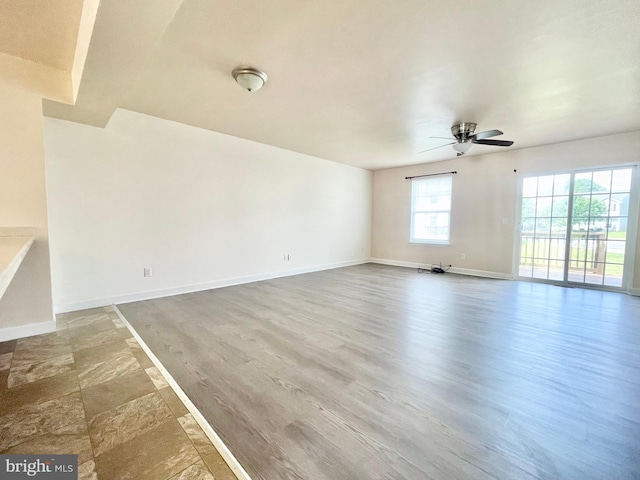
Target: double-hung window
point(431, 210)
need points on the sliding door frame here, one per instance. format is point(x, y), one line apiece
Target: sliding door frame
point(632, 228)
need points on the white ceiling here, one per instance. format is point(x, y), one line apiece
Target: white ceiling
point(365, 82)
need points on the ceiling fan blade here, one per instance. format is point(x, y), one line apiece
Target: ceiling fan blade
point(487, 134)
point(444, 138)
point(429, 149)
point(495, 143)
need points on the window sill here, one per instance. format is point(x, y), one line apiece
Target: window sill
point(429, 242)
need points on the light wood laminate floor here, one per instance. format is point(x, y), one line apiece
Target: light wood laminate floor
point(373, 371)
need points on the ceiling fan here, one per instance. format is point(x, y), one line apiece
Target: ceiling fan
point(465, 137)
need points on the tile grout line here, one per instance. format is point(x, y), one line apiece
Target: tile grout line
point(84, 410)
point(201, 456)
point(217, 442)
point(65, 329)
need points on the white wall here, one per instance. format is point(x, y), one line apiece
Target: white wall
point(484, 192)
point(26, 306)
point(201, 208)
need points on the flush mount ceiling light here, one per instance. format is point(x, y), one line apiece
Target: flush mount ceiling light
point(250, 78)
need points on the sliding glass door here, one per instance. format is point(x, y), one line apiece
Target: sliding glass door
point(574, 227)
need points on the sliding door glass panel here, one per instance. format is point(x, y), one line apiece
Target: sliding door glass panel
point(599, 226)
point(544, 214)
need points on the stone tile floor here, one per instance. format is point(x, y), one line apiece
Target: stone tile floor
point(89, 389)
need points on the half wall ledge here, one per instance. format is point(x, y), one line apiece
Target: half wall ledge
point(15, 243)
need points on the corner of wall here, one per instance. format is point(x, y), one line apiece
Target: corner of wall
point(28, 299)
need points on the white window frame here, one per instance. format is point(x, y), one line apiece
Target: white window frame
point(414, 190)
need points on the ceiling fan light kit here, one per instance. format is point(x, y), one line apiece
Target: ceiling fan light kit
point(463, 147)
point(249, 78)
point(465, 137)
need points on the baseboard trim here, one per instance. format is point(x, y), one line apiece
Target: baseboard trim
point(74, 307)
point(29, 330)
point(396, 263)
point(481, 273)
point(198, 287)
point(217, 442)
point(458, 270)
point(635, 292)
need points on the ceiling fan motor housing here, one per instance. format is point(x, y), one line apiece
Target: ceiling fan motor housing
point(461, 131)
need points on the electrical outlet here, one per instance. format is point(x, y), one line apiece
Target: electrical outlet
point(148, 272)
point(462, 256)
